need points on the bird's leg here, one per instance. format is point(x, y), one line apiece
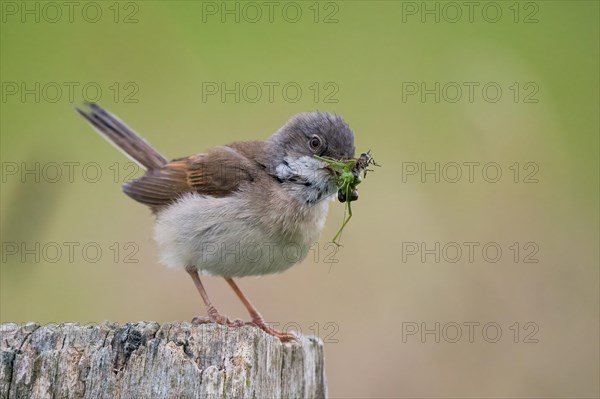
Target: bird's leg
point(213, 315)
point(257, 319)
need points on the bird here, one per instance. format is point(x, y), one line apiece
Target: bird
point(248, 208)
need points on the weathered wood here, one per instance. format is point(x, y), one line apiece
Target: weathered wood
point(147, 360)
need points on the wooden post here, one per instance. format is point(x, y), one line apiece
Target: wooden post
point(147, 360)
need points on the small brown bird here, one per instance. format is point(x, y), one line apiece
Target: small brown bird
point(243, 209)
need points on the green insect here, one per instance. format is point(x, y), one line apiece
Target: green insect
point(348, 173)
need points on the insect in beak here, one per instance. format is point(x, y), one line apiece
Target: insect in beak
point(348, 174)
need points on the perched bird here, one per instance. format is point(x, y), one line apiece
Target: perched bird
point(242, 209)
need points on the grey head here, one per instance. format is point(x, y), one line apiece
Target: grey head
point(315, 133)
point(294, 146)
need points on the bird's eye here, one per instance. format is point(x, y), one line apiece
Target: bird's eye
point(315, 143)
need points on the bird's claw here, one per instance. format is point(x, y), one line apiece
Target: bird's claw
point(283, 336)
point(215, 317)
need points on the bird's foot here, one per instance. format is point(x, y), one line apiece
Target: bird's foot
point(215, 317)
point(283, 336)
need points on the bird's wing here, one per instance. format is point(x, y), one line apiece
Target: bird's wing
point(216, 173)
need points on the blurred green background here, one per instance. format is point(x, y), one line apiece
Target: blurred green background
point(153, 63)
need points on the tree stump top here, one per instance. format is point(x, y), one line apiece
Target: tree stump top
point(148, 360)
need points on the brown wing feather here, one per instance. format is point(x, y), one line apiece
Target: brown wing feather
point(216, 173)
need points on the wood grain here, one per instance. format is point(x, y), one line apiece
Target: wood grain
point(148, 360)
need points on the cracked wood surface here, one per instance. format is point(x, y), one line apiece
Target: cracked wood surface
point(148, 360)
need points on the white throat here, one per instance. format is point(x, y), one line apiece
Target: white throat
point(306, 178)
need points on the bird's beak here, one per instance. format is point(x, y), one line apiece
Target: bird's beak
point(329, 168)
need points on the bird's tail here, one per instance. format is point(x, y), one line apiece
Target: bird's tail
point(122, 137)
